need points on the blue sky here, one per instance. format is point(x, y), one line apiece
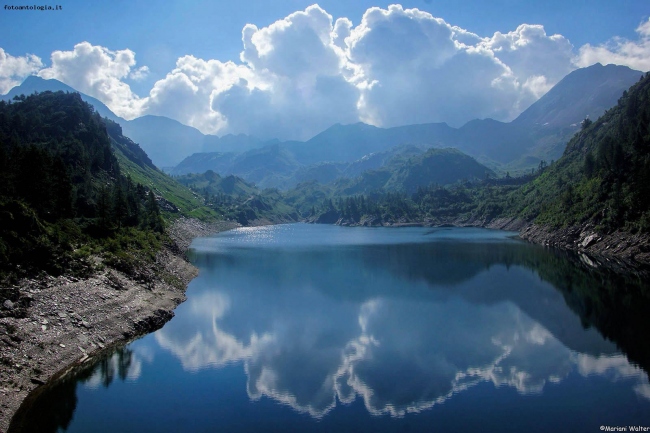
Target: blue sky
point(158, 34)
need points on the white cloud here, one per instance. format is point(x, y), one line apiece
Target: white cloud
point(412, 70)
point(300, 86)
point(418, 68)
point(537, 61)
point(15, 69)
point(620, 51)
point(140, 73)
point(185, 94)
point(291, 84)
point(98, 72)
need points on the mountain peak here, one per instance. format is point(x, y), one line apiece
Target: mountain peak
point(590, 90)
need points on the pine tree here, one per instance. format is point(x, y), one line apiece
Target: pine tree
point(153, 218)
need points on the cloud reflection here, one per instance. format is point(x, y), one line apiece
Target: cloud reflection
point(309, 344)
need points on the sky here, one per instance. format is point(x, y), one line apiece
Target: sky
point(289, 69)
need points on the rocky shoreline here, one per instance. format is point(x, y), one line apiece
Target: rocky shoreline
point(60, 323)
point(622, 251)
point(619, 250)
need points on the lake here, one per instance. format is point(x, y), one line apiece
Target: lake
point(296, 328)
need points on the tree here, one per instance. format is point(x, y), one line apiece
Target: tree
point(153, 218)
point(120, 206)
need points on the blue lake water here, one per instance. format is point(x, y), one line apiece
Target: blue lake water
point(296, 328)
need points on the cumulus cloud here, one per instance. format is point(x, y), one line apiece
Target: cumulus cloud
point(15, 69)
point(301, 85)
point(418, 68)
point(185, 94)
point(620, 51)
point(289, 86)
point(537, 60)
point(98, 72)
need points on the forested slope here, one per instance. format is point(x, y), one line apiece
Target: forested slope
point(65, 195)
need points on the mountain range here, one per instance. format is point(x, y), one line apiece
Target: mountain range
point(539, 133)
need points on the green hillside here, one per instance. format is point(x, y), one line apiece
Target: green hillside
point(73, 187)
point(604, 175)
point(232, 198)
point(409, 169)
point(174, 199)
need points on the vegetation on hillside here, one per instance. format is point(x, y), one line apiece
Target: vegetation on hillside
point(603, 177)
point(64, 195)
point(234, 199)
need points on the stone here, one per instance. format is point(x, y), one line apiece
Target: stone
point(589, 240)
point(8, 305)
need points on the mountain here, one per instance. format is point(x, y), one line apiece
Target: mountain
point(539, 133)
point(165, 140)
point(34, 84)
point(74, 185)
point(275, 166)
point(174, 198)
point(585, 92)
point(603, 178)
point(406, 172)
point(237, 200)
point(348, 143)
point(232, 143)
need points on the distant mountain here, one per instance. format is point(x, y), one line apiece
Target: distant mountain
point(232, 143)
point(585, 92)
point(348, 143)
point(235, 199)
point(165, 140)
point(33, 84)
point(540, 132)
point(214, 184)
point(203, 161)
point(275, 166)
point(376, 160)
point(555, 117)
point(407, 172)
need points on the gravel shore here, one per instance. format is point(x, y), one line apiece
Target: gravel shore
point(62, 322)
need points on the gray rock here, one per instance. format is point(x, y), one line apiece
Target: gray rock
point(8, 305)
point(589, 240)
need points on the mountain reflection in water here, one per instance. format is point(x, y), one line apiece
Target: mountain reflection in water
point(398, 319)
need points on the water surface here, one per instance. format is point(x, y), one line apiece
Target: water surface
point(325, 328)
